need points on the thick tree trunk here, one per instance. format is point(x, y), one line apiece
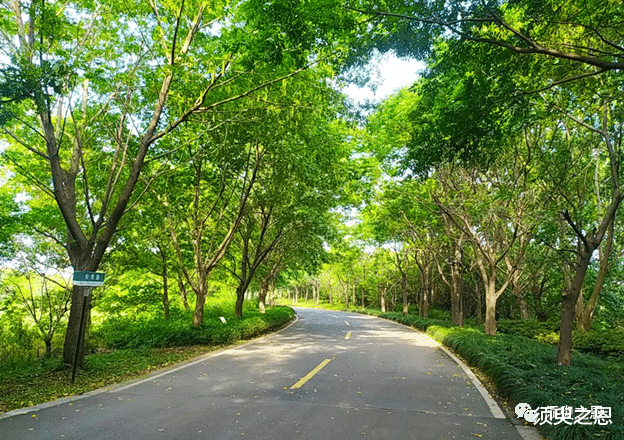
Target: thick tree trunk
point(424, 304)
point(198, 314)
point(537, 291)
point(83, 260)
point(522, 305)
point(73, 326)
point(262, 294)
point(490, 309)
point(518, 293)
point(568, 306)
point(240, 298)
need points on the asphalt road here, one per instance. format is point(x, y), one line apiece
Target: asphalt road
point(331, 375)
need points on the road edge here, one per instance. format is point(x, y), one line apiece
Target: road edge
point(118, 387)
point(526, 432)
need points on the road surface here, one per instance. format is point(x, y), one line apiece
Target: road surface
point(330, 375)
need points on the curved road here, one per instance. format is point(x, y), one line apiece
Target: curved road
point(330, 375)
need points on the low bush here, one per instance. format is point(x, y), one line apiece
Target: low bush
point(157, 332)
point(529, 328)
point(608, 343)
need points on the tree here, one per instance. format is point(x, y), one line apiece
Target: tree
point(570, 43)
point(35, 284)
point(585, 38)
point(91, 90)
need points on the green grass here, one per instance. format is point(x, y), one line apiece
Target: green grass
point(122, 355)
point(525, 370)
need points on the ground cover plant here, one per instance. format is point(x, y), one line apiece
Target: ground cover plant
point(125, 348)
point(524, 370)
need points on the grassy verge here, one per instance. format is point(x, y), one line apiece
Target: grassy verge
point(44, 380)
point(525, 370)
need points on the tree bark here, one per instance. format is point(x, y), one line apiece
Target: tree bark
point(262, 294)
point(568, 306)
point(382, 298)
point(165, 282)
point(182, 288)
point(457, 281)
point(585, 312)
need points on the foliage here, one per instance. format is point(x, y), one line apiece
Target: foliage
point(156, 332)
point(529, 328)
point(608, 343)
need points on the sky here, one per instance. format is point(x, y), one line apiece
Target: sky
point(388, 74)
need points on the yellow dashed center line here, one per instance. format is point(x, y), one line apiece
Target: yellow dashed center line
point(348, 335)
point(310, 375)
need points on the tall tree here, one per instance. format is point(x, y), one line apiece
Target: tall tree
point(91, 89)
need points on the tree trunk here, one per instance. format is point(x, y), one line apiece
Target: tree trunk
point(522, 306)
point(182, 288)
point(457, 283)
point(424, 305)
point(262, 294)
point(585, 312)
point(272, 291)
point(240, 298)
point(73, 326)
point(198, 314)
point(568, 306)
point(490, 308)
point(404, 294)
point(382, 298)
point(478, 306)
point(165, 290)
point(201, 293)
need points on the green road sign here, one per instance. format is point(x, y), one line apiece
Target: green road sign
point(88, 278)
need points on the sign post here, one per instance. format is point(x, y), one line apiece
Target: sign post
point(90, 280)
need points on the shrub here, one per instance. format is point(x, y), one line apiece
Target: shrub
point(157, 332)
point(529, 328)
point(608, 343)
point(436, 313)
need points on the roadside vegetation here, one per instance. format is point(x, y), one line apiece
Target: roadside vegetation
point(126, 348)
